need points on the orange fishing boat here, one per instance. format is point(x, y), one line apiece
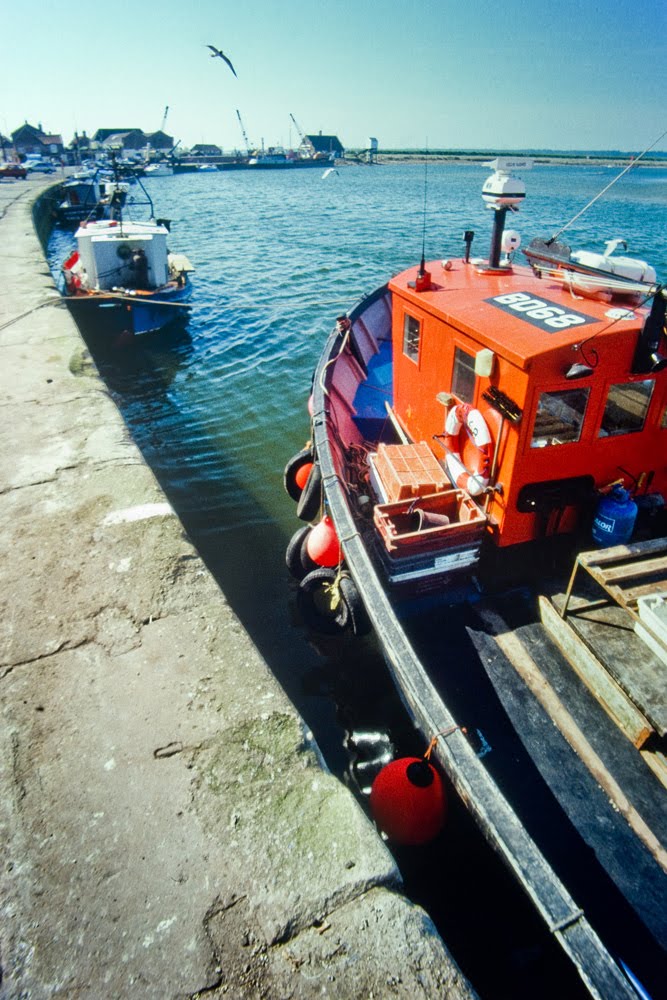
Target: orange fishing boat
point(488, 461)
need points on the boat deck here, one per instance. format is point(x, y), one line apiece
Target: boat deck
point(600, 783)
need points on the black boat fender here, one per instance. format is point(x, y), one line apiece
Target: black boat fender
point(307, 564)
point(330, 603)
point(296, 462)
point(360, 623)
point(310, 500)
point(297, 559)
point(321, 603)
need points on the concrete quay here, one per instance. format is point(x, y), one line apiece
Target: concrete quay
point(169, 828)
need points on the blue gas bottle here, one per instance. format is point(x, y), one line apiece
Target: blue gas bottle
point(615, 518)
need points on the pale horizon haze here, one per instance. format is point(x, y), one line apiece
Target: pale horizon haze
point(580, 74)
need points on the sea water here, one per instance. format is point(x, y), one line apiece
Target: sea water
point(218, 407)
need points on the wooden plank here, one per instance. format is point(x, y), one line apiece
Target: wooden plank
point(629, 571)
point(645, 590)
point(586, 665)
point(600, 557)
point(657, 761)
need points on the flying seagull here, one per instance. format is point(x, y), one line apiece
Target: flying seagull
point(218, 52)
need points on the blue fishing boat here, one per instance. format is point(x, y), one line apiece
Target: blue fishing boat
point(126, 266)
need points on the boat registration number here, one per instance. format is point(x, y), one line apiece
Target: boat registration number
point(540, 312)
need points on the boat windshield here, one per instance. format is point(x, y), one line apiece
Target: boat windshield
point(559, 417)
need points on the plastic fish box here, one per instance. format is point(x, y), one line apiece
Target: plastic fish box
point(409, 470)
point(450, 519)
point(653, 613)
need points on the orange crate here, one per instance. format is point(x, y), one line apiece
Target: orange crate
point(442, 520)
point(409, 470)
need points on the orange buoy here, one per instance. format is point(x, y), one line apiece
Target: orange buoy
point(408, 801)
point(322, 544)
point(302, 473)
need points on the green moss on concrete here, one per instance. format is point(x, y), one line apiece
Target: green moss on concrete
point(272, 795)
point(81, 363)
point(257, 751)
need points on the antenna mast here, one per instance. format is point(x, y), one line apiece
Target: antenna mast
point(631, 164)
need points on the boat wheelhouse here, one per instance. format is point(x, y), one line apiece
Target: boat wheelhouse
point(567, 393)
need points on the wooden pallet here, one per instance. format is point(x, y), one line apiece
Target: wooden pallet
point(625, 572)
point(596, 633)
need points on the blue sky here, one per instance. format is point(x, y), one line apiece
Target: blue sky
point(574, 74)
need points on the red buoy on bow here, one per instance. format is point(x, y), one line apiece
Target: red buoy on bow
point(408, 801)
point(322, 544)
point(302, 473)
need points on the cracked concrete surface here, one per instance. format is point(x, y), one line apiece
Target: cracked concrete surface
point(169, 828)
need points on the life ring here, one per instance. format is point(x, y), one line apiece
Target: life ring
point(465, 424)
point(292, 469)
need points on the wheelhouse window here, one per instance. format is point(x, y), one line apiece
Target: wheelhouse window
point(411, 337)
point(463, 376)
point(626, 407)
point(559, 418)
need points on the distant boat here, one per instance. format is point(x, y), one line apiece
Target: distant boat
point(88, 197)
point(271, 159)
point(158, 170)
point(126, 266)
point(207, 168)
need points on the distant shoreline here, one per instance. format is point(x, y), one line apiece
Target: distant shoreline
point(613, 159)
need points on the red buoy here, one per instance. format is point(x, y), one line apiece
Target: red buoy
point(408, 801)
point(302, 473)
point(322, 544)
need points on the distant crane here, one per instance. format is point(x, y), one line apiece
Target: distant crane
point(164, 119)
point(243, 131)
point(304, 141)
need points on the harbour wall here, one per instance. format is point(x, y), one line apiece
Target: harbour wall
point(170, 828)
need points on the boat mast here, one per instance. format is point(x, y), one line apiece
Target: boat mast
point(633, 163)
